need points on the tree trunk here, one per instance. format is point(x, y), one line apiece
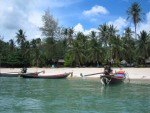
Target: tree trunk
point(135, 32)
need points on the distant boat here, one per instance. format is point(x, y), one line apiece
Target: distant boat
point(10, 74)
point(19, 74)
point(15, 74)
point(56, 76)
point(115, 78)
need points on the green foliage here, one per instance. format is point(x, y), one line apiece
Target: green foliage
point(68, 61)
point(134, 12)
point(77, 49)
point(82, 51)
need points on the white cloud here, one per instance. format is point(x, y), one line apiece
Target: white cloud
point(120, 23)
point(35, 18)
point(87, 32)
point(53, 3)
point(26, 15)
point(10, 9)
point(17, 15)
point(96, 10)
point(145, 25)
point(79, 28)
point(61, 3)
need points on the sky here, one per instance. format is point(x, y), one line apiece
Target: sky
point(82, 15)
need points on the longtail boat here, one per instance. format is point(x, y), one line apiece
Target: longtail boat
point(114, 78)
point(18, 74)
point(56, 76)
point(10, 74)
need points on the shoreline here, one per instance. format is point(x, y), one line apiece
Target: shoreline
point(134, 73)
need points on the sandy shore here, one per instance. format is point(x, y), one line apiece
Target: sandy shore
point(134, 73)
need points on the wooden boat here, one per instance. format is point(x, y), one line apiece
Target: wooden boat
point(10, 74)
point(115, 78)
point(57, 76)
point(16, 74)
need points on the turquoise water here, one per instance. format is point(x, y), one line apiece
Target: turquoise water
point(18, 95)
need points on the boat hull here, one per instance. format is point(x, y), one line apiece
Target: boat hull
point(15, 74)
point(9, 74)
point(111, 79)
point(58, 76)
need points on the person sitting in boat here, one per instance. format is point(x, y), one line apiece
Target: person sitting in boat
point(107, 70)
point(24, 70)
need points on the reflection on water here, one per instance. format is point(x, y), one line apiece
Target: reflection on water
point(72, 95)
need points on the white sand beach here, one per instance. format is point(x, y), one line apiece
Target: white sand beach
point(134, 73)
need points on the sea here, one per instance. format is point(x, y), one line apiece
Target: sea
point(73, 95)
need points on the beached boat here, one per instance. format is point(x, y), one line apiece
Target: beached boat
point(115, 78)
point(14, 74)
point(57, 76)
point(10, 74)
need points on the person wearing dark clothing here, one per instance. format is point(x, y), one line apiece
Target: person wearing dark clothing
point(24, 70)
point(107, 70)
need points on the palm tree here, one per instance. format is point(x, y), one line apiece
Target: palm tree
point(76, 53)
point(65, 32)
point(107, 34)
point(68, 32)
point(12, 44)
point(111, 33)
point(95, 49)
point(149, 45)
point(143, 43)
point(128, 45)
point(135, 13)
point(21, 38)
point(35, 51)
point(117, 48)
point(128, 33)
point(78, 49)
point(103, 34)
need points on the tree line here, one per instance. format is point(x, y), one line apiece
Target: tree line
point(78, 49)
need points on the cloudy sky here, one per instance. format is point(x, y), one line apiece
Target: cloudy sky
point(82, 15)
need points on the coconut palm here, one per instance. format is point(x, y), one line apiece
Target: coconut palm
point(143, 43)
point(149, 45)
point(95, 49)
point(76, 53)
point(68, 32)
point(65, 32)
point(111, 33)
point(78, 49)
point(21, 38)
point(134, 12)
point(117, 48)
point(35, 51)
point(12, 45)
point(128, 45)
point(103, 34)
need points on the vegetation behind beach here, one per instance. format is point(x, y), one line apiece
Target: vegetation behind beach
point(78, 49)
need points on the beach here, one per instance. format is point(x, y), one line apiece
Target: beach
point(133, 73)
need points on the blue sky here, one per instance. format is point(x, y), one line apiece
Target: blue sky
point(82, 15)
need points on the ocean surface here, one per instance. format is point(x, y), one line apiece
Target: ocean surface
point(19, 95)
